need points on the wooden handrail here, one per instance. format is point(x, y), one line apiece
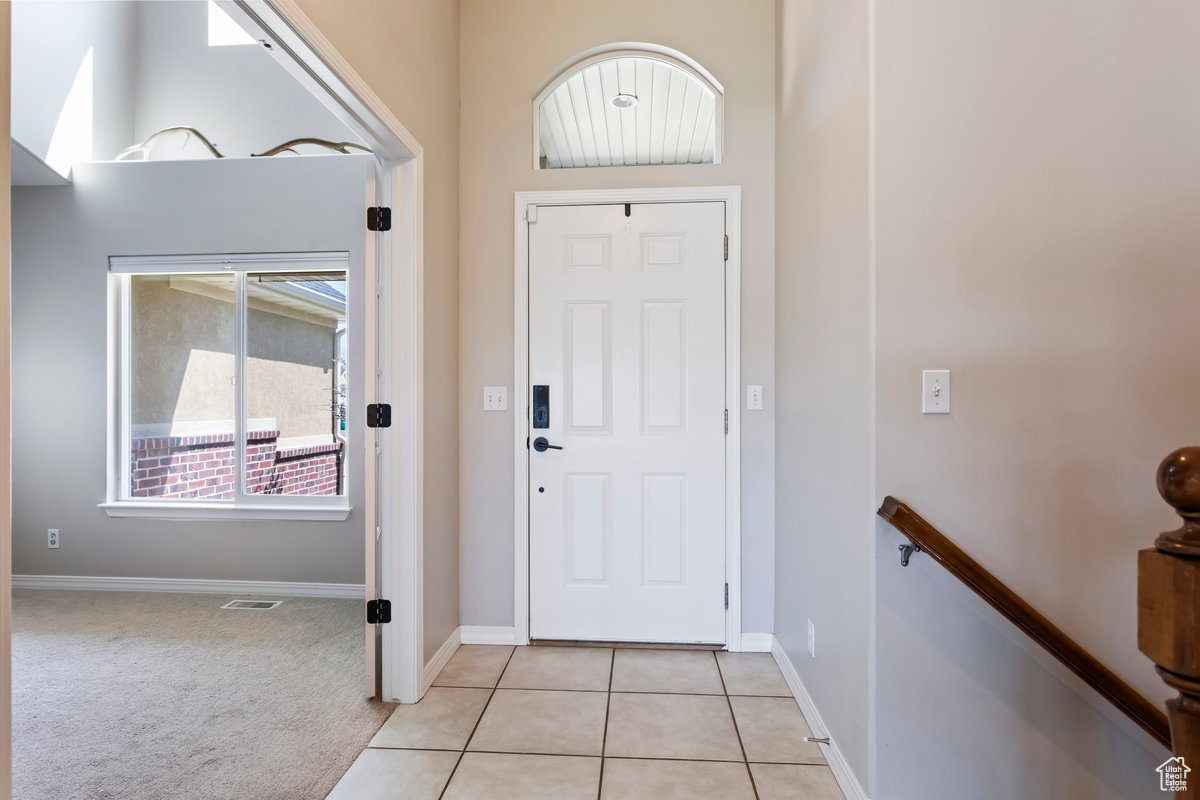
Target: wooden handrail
point(1000, 597)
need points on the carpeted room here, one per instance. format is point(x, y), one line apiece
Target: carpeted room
point(182, 432)
point(141, 696)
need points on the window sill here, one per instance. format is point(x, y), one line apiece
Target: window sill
point(200, 511)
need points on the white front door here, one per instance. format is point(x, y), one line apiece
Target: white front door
point(627, 376)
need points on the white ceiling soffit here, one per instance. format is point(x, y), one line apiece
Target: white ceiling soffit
point(674, 120)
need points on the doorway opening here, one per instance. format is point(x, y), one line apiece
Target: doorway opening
point(238, 459)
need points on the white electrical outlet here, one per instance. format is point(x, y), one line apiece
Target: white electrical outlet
point(812, 639)
point(754, 398)
point(52, 538)
point(495, 398)
point(935, 391)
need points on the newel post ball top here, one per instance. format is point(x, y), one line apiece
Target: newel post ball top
point(1179, 485)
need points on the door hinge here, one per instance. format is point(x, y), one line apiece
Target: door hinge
point(379, 415)
point(727, 247)
point(379, 612)
point(727, 422)
point(379, 218)
point(727, 597)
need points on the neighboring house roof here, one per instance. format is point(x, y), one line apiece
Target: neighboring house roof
point(334, 289)
point(317, 299)
point(320, 297)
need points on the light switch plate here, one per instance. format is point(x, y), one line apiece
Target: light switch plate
point(935, 391)
point(754, 398)
point(495, 398)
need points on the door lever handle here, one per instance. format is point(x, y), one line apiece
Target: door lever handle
point(541, 444)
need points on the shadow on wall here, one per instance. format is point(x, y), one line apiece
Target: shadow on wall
point(951, 669)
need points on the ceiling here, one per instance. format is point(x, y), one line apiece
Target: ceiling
point(673, 122)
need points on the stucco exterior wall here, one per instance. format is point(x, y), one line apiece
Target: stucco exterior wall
point(182, 361)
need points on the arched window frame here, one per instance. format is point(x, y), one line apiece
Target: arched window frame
point(607, 52)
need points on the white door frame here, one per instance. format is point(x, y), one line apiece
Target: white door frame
point(312, 60)
point(731, 196)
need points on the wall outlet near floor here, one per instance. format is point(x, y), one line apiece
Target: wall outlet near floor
point(52, 538)
point(495, 398)
point(812, 639)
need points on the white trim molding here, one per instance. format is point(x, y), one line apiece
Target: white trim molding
point(222, 511)
point(846, 778)
point(440, 659)
point(486, 634)
point(757, 642)
point(731, 196)
point(94, 583)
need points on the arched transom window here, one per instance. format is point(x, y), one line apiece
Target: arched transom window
point(625, 105)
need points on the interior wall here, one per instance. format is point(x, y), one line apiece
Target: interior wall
point(51, 42)
point(265, 205)
point(408, 53)
point(964, 698)
point(1032, 225)
point(823, 346)
point(508, 49)
point(236, 95)
point(1038, 190)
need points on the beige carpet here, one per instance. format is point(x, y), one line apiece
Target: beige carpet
point(130, 696)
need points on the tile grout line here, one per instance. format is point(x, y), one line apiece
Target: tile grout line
point(624, 691)
point(736, 729)
point(612, 667)
point(814, 764)
point(467, 743)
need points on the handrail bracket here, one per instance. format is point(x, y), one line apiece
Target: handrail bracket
point(906, 551)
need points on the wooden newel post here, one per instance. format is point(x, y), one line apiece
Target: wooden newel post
point(1169, 604)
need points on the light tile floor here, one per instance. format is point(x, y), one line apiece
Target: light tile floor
point(502, 723)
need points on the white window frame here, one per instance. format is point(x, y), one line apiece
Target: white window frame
point(244, 505)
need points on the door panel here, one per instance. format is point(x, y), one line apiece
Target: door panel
point(627, 329)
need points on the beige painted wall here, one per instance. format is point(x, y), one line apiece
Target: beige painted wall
point(1037, 180)
point(508, 49)
point(408, 54)
point(1039, 191)
point(823, 367)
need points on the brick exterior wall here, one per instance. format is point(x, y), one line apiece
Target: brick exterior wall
point(202, 467)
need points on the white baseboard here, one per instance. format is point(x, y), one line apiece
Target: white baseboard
point(440, 659)
point(485, 634)
point(189, 586)
point(846, 778)
point(757, 642)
